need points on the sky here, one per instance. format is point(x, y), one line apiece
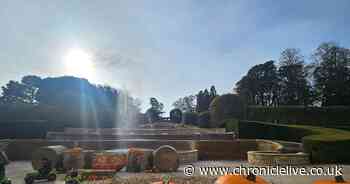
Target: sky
point(161, 48)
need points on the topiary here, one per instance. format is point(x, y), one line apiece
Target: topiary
point(176, 115)
point(190, 118)
point(225, 107)
point(204, 119)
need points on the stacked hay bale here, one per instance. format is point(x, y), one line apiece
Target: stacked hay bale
point(53, 153)
point(73, 158)
point(139, 160)
point(110, 160)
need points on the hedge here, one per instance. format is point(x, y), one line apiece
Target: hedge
point(204, 120)
point(224, 107)
point(190, 118)
point(28, 129)
point(333, 116)
point(325, 145)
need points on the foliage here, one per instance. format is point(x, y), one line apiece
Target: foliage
point(231, 125)
point(190, 118)
point(204, 119)
point(68, 99)
point(16, 92)
point(204, 98)
point(332, 74)
point(186, 104)
point(325, 82)
point(260, 85)
point(294, 87)
point(155, 111)
point(224, 107)
point(325, 145)
point(337, 116)
point(176, 115)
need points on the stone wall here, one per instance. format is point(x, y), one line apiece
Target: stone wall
point(207, 149)
point(163, 136)
point(143, 130)
point(23, 149)
point(232, 150)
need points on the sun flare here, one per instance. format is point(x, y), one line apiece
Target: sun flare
point(79, 63)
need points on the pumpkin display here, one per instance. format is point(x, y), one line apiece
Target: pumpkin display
point(240, 179)
point(104, 161)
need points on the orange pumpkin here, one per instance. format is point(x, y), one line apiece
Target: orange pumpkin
point(165, 180)
point(337, 179)
point(328, 182)
point(239, 179)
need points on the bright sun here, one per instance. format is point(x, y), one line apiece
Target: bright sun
point(79, 63)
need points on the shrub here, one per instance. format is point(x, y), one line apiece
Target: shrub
point(325, 145)
point(204, 119)
point(190, 118)
point(176, 115)
point(231, 125)
point(333, 116)
point(225, 107)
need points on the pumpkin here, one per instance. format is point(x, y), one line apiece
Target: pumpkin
point(109, 162)
point(164, 180)
point(337, 179)
point(239, 179)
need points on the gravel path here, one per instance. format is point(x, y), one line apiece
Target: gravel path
point(17, 170)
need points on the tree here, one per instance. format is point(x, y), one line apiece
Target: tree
point(204, 98)
point(185, 104)
point(213, 93)
point(73, 100)
point(156, 109)
point(260, 86)
point(332, 74)
point(294, 87)
point(15, 92)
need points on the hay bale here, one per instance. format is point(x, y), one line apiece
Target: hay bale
point(111, 160)
point(88, 157)
point(53, 153)
point(73, 158)
point(166, 159)
point(139, 160)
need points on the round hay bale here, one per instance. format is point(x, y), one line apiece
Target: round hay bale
point(73, 158)
point(53, 153)
point(139, 160)
point(166, 159)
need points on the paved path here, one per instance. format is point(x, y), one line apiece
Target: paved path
point(16, 171)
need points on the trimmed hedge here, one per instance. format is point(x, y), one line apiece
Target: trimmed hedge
point(28, 129)
point(231, 125)
point(225, 107)
point(325, 145)
point(333, 116)
point(190, 118)
point(176, 115)
point(204, 120)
